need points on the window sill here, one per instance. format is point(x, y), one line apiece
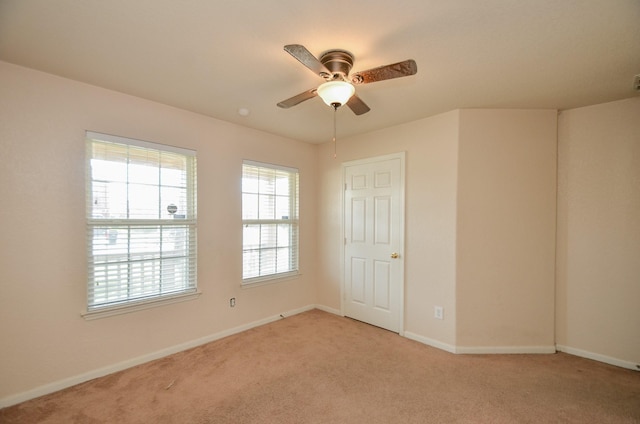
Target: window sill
point(272, 279)
point(138, 306)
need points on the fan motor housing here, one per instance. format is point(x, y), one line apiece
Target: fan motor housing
point(338, 62)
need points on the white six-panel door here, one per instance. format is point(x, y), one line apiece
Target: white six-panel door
point(373, 229)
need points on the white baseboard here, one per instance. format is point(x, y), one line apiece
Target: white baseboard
point(522, 350)
point(505, 349)
point(481, 349)
point(329, 310)
point(430, 342)
point(598, 357)
point(101, 372)
point(110, 369)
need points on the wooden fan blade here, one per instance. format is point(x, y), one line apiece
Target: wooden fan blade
point(305, 57)
point(395, 70)
point(292, 101)
point(356, 104)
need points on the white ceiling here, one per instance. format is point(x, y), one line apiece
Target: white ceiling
point(216, 56)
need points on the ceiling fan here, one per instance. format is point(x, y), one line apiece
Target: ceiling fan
point(334, 67)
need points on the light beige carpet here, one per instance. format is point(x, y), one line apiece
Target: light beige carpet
point(319, 368)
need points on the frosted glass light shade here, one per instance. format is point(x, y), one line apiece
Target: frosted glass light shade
point(336, 93)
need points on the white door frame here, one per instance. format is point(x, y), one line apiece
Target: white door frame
point(344, 165)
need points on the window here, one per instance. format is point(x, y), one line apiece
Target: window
point(141, 222)
point(270, 222)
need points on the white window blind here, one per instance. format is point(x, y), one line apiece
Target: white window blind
point(141, 221)
point(270, 221)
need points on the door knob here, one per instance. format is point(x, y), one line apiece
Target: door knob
point(394, 256)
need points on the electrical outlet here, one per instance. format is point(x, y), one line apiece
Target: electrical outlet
point(232, 302)
point(438, 312)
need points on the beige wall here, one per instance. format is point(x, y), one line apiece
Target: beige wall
point(480, 226)
point(506, 230)
point(480, 193)
point(598, 265)
point(42, 255)
point(430, 210)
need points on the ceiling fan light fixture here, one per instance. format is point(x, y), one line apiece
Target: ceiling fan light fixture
point(336, 93)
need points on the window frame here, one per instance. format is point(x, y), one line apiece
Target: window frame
point(292, 221)
point(180, 289)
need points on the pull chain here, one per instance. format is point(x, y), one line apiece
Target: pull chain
point(335, 148)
